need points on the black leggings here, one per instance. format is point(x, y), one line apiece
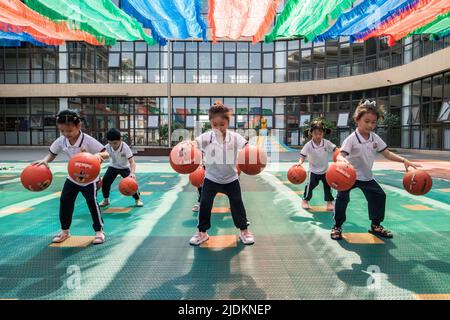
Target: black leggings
point(313, 182)
point(109, 178)
point(67, 203)
point(233, 191)
point(375, 197)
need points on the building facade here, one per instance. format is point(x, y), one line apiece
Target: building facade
point(280, 86)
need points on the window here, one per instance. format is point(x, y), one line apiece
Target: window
point(178, 60)
point(343, 120)
point(268, 60)
point(230, 60)
point(444, 114)
point(140, 60)
point(113, 61)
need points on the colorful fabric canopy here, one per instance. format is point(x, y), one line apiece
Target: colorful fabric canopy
point(15, 39)
point(421, 14)
point(168, 19)
point(307, 18)
point(241, 18)
point(365, 17)
point(438, 28)
point(17, 17)
point(101, 18)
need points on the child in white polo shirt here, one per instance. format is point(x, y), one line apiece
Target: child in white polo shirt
point(220, 148)
point(317, 151)
point(74, 141)
point(121, 161)
point(359, 150)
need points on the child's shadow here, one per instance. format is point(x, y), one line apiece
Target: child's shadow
point(210, 269)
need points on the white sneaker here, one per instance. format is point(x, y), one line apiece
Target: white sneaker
point(139, 203)
point(196, 207)
point(99, 237)
point(104, 203)
point(198, 238)
point(246, 237)
point(62, 236)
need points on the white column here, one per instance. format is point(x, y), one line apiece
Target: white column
point(63, 63)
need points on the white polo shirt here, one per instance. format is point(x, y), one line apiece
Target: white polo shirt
point(119, 158)
point(220, 159)
point(84, 143)
point(317, 155)
point(361, 153)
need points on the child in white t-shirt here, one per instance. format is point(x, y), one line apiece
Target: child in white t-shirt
point(220, 147)
point(121, 162)
point(317, 151)
point(359, 150)
point(71, 142)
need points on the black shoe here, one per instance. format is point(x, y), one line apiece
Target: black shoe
point(380, 231)
point(336, 233)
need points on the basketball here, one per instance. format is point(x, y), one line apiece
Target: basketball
point(185, 157)
point(36, 178)
point(335, 154)
point(196, 178)
point(296, 174)
point(252, 160)
point(340, 176)
point(417, 182)
point(128, 186)
point(84, 167)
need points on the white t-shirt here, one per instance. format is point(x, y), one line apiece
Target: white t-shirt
point(220, 159)
point(84, 143)
point(361, 153)
point(317, 155)
point(119, 158)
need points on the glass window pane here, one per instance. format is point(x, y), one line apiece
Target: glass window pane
point(140, 59)
point(230, 60)
point(268, 60)
point(205, 60)
point(191, 60)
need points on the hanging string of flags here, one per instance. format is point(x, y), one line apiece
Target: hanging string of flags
point(102, 22)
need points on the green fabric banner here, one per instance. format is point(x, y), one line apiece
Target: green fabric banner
point(438, 28)
point(307, 18)
point(101, 18)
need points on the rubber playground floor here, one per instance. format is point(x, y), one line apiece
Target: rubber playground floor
point(147, 255)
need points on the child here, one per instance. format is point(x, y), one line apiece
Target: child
point(317, 150)
point(74, 141)
point(359, 150)
point(220, 145)
point(121, 162)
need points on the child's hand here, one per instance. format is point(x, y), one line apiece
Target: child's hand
point(132, 175)
point(408, 164)
point(99, 157)
point(39, 163)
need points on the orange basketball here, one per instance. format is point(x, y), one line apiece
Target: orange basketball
point(340, 176)
point(197, 177)
point(36, 178)
point(296, 174)
point(128, 186)
point(335, 154)
point(252, 160)
point(185, 157)
point(417, 182)
point(84, 167)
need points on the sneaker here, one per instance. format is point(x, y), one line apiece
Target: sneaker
point(247, 237)
point(330, 206)
point(99, 237)
point(139, 203)
point(380, 231)
point(305, 205)
point(104, 203)
point(196, 207)
point(61, 237)
point(198, 238)
point(336, 233)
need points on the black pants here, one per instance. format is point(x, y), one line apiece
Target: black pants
point(375, 196)
point(199, 193)
point(233, 191)
point(109, 178)
point(314, 182)
point(67, 203)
